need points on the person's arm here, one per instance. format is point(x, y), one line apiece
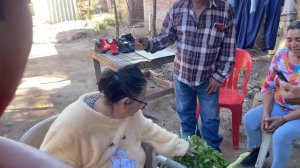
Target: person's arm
point(276, 121)
point(294, 115)
point(268, 101)
point(164, 142)
point(268, 90)
point(292, 101)
point(225, 60)
point(15, 45)
point(14, 154)
point(167, 36)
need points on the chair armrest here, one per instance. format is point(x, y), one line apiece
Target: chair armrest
point(168, 162)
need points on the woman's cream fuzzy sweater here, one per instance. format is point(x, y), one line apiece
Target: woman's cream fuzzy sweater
point(82, 137)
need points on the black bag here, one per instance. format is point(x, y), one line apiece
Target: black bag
point(126, 43)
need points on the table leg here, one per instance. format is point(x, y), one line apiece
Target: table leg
point(97, 68)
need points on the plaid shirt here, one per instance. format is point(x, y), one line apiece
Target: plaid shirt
point(205, 48)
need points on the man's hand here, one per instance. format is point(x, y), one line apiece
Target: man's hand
point(143, 43)
point(213, 86)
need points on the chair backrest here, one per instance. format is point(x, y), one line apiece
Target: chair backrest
point(35, 135)
point(243, 60)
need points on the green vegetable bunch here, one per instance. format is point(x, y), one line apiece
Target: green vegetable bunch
point(205, 156)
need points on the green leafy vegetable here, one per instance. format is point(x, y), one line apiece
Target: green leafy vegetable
point(205, 156)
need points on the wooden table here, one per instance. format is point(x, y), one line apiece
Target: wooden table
point(143, 62)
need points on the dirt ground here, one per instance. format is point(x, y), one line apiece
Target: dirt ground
point(59, 70)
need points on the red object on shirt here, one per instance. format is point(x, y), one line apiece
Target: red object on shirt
point(219, 26)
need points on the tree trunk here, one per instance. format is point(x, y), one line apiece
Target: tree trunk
point(89, 9)
point(153, 26)
point(116, 18)
point(129, 8)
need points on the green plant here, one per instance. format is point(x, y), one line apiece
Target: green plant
point(109, 21)
point(205, 156)
point(100, 21)
point(98, 26)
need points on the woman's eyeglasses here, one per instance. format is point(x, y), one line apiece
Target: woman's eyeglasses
point(144, 104)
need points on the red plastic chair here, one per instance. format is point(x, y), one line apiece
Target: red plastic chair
point(230, 96)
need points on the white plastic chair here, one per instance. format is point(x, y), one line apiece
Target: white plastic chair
point(265, 145)
point(35, 135)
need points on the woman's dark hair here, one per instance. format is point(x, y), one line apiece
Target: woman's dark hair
point(128, 81)
point(294, 25)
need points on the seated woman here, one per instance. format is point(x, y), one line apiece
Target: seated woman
point(275, 115)
point(106, 129)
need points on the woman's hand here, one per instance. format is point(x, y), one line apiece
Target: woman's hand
point(264, 124)
point(284, 89)
point(190, 152)
point(289, 87)
point(273, 123)
point(289, 93)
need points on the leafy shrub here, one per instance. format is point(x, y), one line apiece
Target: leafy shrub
point(109, 21)
point(101, 21)
point(99, 26)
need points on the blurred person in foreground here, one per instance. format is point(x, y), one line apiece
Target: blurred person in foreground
point(15, 45)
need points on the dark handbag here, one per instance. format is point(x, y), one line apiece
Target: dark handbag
point(126, 43)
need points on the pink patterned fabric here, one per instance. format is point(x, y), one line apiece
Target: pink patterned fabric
point(270, 84)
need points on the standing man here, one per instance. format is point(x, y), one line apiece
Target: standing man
point(205, 34)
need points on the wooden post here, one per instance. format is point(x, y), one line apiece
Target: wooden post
point(153, 29)
point(89, 9)
point(116, 18)
point(298, 6)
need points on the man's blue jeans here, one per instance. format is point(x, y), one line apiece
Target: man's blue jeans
point(186, 98)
